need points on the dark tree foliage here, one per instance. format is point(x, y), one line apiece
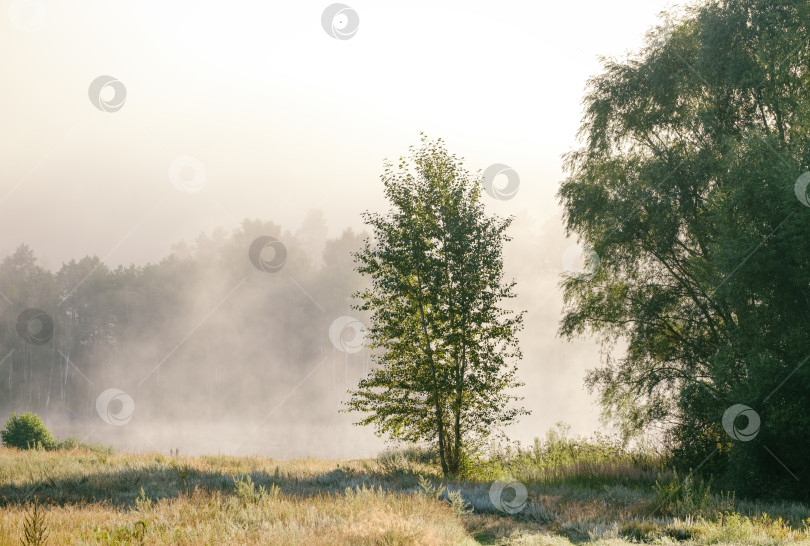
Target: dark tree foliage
point(685, 189)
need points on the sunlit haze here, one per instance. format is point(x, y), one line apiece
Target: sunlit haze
point(269, 118)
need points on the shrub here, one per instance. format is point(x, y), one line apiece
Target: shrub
point(26, 431)
point(74, 443)
point(35, 530)
point(245, 490)
point(421, 454)
point(394, 462)
point(457, 502)
point(686, 497)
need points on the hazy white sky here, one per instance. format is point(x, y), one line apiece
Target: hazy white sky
point(283, 117)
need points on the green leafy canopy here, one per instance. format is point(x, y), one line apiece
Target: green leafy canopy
point(685, 189)
point(444, 346)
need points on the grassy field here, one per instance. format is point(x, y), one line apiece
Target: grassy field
point(577, 493)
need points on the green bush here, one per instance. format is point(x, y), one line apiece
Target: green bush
point(26, 431)
point(687, 497)
point(75, 443)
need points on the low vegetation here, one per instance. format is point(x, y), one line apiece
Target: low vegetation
point(577, 491)
point(28, 431)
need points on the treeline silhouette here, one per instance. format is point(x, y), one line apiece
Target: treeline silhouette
point(203, 333)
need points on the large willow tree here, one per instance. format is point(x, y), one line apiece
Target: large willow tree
point(686, 188)
point(444, 347)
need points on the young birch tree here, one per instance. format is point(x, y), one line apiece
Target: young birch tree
point(444, 347)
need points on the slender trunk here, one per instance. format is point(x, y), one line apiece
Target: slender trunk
point(459, 398)
point(758, 96)
point(436, 394)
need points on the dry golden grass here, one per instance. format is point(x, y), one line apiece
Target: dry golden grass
point(92, 497)
point(150, 499)
point(204, 517)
